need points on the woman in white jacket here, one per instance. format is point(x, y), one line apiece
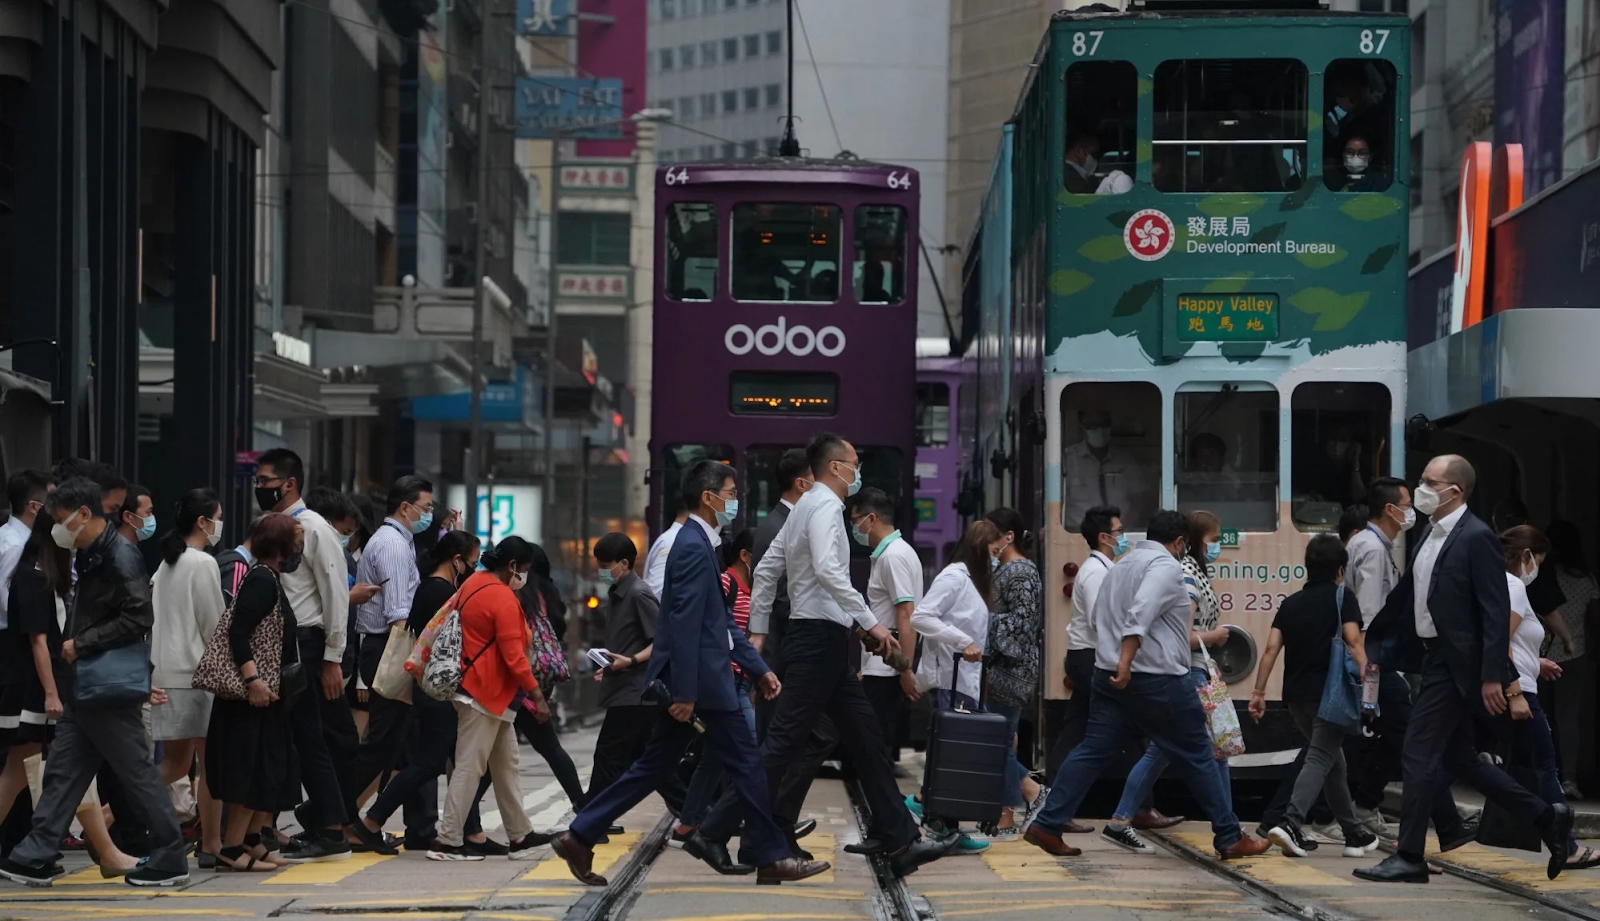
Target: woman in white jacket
point(186, 594)
point(953, 619)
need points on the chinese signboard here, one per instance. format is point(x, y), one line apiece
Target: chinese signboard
point(614, 176)
point(543, 17)
point(1227, 317)
point(570, 107)
point(608, 284)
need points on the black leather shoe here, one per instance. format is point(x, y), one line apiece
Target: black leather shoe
point(804, 827)
point(1396, 869)
point(1556, 835)
point(910, 858)
point(866, 847)
point(1467, 834)
point(715, 855)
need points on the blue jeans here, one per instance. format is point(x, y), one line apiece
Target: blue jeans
point(709, 774)
point(1142, 779)
point(1015, 772)
point(1162, 708)
point(1534, 734)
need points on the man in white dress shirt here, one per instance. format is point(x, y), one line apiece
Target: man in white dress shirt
point(655, 562)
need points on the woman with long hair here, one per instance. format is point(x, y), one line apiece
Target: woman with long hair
point(37, 610)
point(541, 601)
point(1013, 656)
point(1525, 551)
point(186, 594)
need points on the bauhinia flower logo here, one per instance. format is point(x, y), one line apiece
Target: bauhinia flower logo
point(1148, 235)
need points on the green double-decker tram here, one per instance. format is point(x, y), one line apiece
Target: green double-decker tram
point(1190, 277)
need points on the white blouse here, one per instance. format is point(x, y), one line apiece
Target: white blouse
point(951, 616)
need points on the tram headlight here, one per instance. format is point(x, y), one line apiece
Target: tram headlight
point(1236, 657)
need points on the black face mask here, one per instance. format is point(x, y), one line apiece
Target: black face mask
point(268, 499)
point(291, 564)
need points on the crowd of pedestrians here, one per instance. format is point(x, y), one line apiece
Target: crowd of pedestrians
point(331, 670)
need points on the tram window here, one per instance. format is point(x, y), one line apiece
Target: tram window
point(786, 252)
point(1102, 127)
point(1358, 126)
point(1226, 441)
point(1112, 451)
point(759, 493)
point(1339, 442)
point(674, 461)
point(691, 251)
point(1229, 126)
point(880, 267)
point(933, 414)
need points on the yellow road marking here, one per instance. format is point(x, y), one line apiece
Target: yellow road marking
point(1517, 870)
point(124, 910)
point(322, 874)
point(823, 847)
point(1273, 870)
point(769, 917)
point(511, 916)
point(1021, 862)
point(88, 876)
point(605, 856)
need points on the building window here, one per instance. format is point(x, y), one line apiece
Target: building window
point(729, 150)
point(730, 101)
point(709, 7)
point(666, 57)
point(752, 45)
point(752, 2)
point(690, 9)
point(708, 105)
point(785, 252)
point(933, 414)
point(1338, 443)
point(880, 259)
point(1416, 171)
point(730, 50)
point(708, 151)
point(708, 54)
point(729, 4)
point(686, 57)
point(594, 238)
point(685, 108)
point(665, 156)
point(1229, 125)
point(775, 42)
point(669, 9)
point(686, 154)
point(1102, 122)
point(752, 148)
point(774, 94)
point(1358, 148)
point(1226, 439)
point(1111, 451)
point(752, 97)
point(770, 146)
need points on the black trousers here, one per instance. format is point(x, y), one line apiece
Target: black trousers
point(325, 804)
point(819, 678)
point(623, 738)
point(547, 743)
point(889, 702)
point(1440, 739)
point(1075, 723)
point(388, 724)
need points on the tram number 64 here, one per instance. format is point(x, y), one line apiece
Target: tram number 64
point(680, 177)
point(1086, 43)
point(1372, 41)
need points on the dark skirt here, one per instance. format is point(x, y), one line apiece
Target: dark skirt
point(250, 756)
point(22, 719)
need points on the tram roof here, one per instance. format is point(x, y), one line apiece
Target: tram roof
point(819, 164)
point(1217, 9)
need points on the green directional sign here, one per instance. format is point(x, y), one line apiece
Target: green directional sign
point(1227, 317)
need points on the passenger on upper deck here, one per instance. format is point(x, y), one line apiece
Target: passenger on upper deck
point(1357, 173)
point(1096, 472)
point(1081, 162)
point(1353, 88)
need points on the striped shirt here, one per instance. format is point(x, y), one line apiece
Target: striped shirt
point(390, 560)
point(741, 606)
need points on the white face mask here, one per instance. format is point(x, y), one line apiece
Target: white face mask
point(518, 580)
point(1356, 164)
point(1531, 574)
point(215, 534)
point(1089, 164)
point(66, 538)
point(1408, 518)
point(1098, 438)
point(1427, 499)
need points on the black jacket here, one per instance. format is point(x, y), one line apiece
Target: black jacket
point(111, 607)
point(1470, 605)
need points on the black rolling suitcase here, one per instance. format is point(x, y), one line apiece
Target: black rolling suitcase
point(964, 779)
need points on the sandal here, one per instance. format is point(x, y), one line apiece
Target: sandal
point(230, 858)
point(1583, 858)
point(259, 850)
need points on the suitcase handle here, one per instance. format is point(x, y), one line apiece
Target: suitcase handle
point(955, 672)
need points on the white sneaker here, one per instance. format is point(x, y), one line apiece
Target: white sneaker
point(1374, 822)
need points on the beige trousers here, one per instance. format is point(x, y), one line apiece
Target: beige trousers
point(483, 741)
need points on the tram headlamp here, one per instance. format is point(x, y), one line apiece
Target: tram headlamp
point(1236, 657)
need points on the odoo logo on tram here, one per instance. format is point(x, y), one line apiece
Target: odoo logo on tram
point(774, 338)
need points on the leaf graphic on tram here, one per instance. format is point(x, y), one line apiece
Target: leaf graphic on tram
point(1119, 219)
point(1133, 300)
point(1233, 284)
point(1270, 233)
point(1333, 310)
point(1104, 249)
point(1380, 257)
point(1295, 200)
point(1232, 205)
point(1143, 150)
point(1067, 282)
point(1370, 207)
point(1322, 260)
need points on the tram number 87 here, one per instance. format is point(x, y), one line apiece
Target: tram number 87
point(1253, 601)
point(1086, 43)
point(1372, 41)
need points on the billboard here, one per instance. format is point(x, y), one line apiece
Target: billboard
point(543, 17)
point(1529, 85)
point(571, 107)
point(1548, 254)
point(507, 510)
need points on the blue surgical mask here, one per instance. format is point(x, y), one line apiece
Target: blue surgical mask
point(1213, 550)
point(1122, 544)
point(855, 484)
point(147, 527)
point(994, 563)
point(604, 576)
point(421, 524)
point(344, 542)
point(730, 511)
point(861, 535)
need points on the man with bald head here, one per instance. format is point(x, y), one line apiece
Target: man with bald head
point(1449, 618)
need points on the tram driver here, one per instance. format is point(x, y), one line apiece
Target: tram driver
point(1096, 471)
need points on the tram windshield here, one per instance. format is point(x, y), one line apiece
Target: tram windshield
point(1227, 445)
point(1339, 433)
point(880, 258)
point(691, 255)
point(1229, 126)
point(786, 252)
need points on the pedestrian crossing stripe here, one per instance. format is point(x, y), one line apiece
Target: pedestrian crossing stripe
point(1270, 868)
point(1529, 872)
point(605, 857)
point(323, 874)
point(822, 847)
point(1021, 862)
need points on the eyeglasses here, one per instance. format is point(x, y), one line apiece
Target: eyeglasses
point(267, 481)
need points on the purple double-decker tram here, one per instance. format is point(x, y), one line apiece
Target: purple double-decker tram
point(785, 304)
point(944, 402)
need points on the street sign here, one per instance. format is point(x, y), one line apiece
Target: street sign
point(543, 17)
point(589, 108)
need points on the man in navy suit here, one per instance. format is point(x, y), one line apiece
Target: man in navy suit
point(1453, 611)
point(696, 645)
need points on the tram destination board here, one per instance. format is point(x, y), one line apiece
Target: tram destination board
point(777, 393)
point(1227, 317)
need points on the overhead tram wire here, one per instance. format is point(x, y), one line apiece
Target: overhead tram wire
point(795, 12)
